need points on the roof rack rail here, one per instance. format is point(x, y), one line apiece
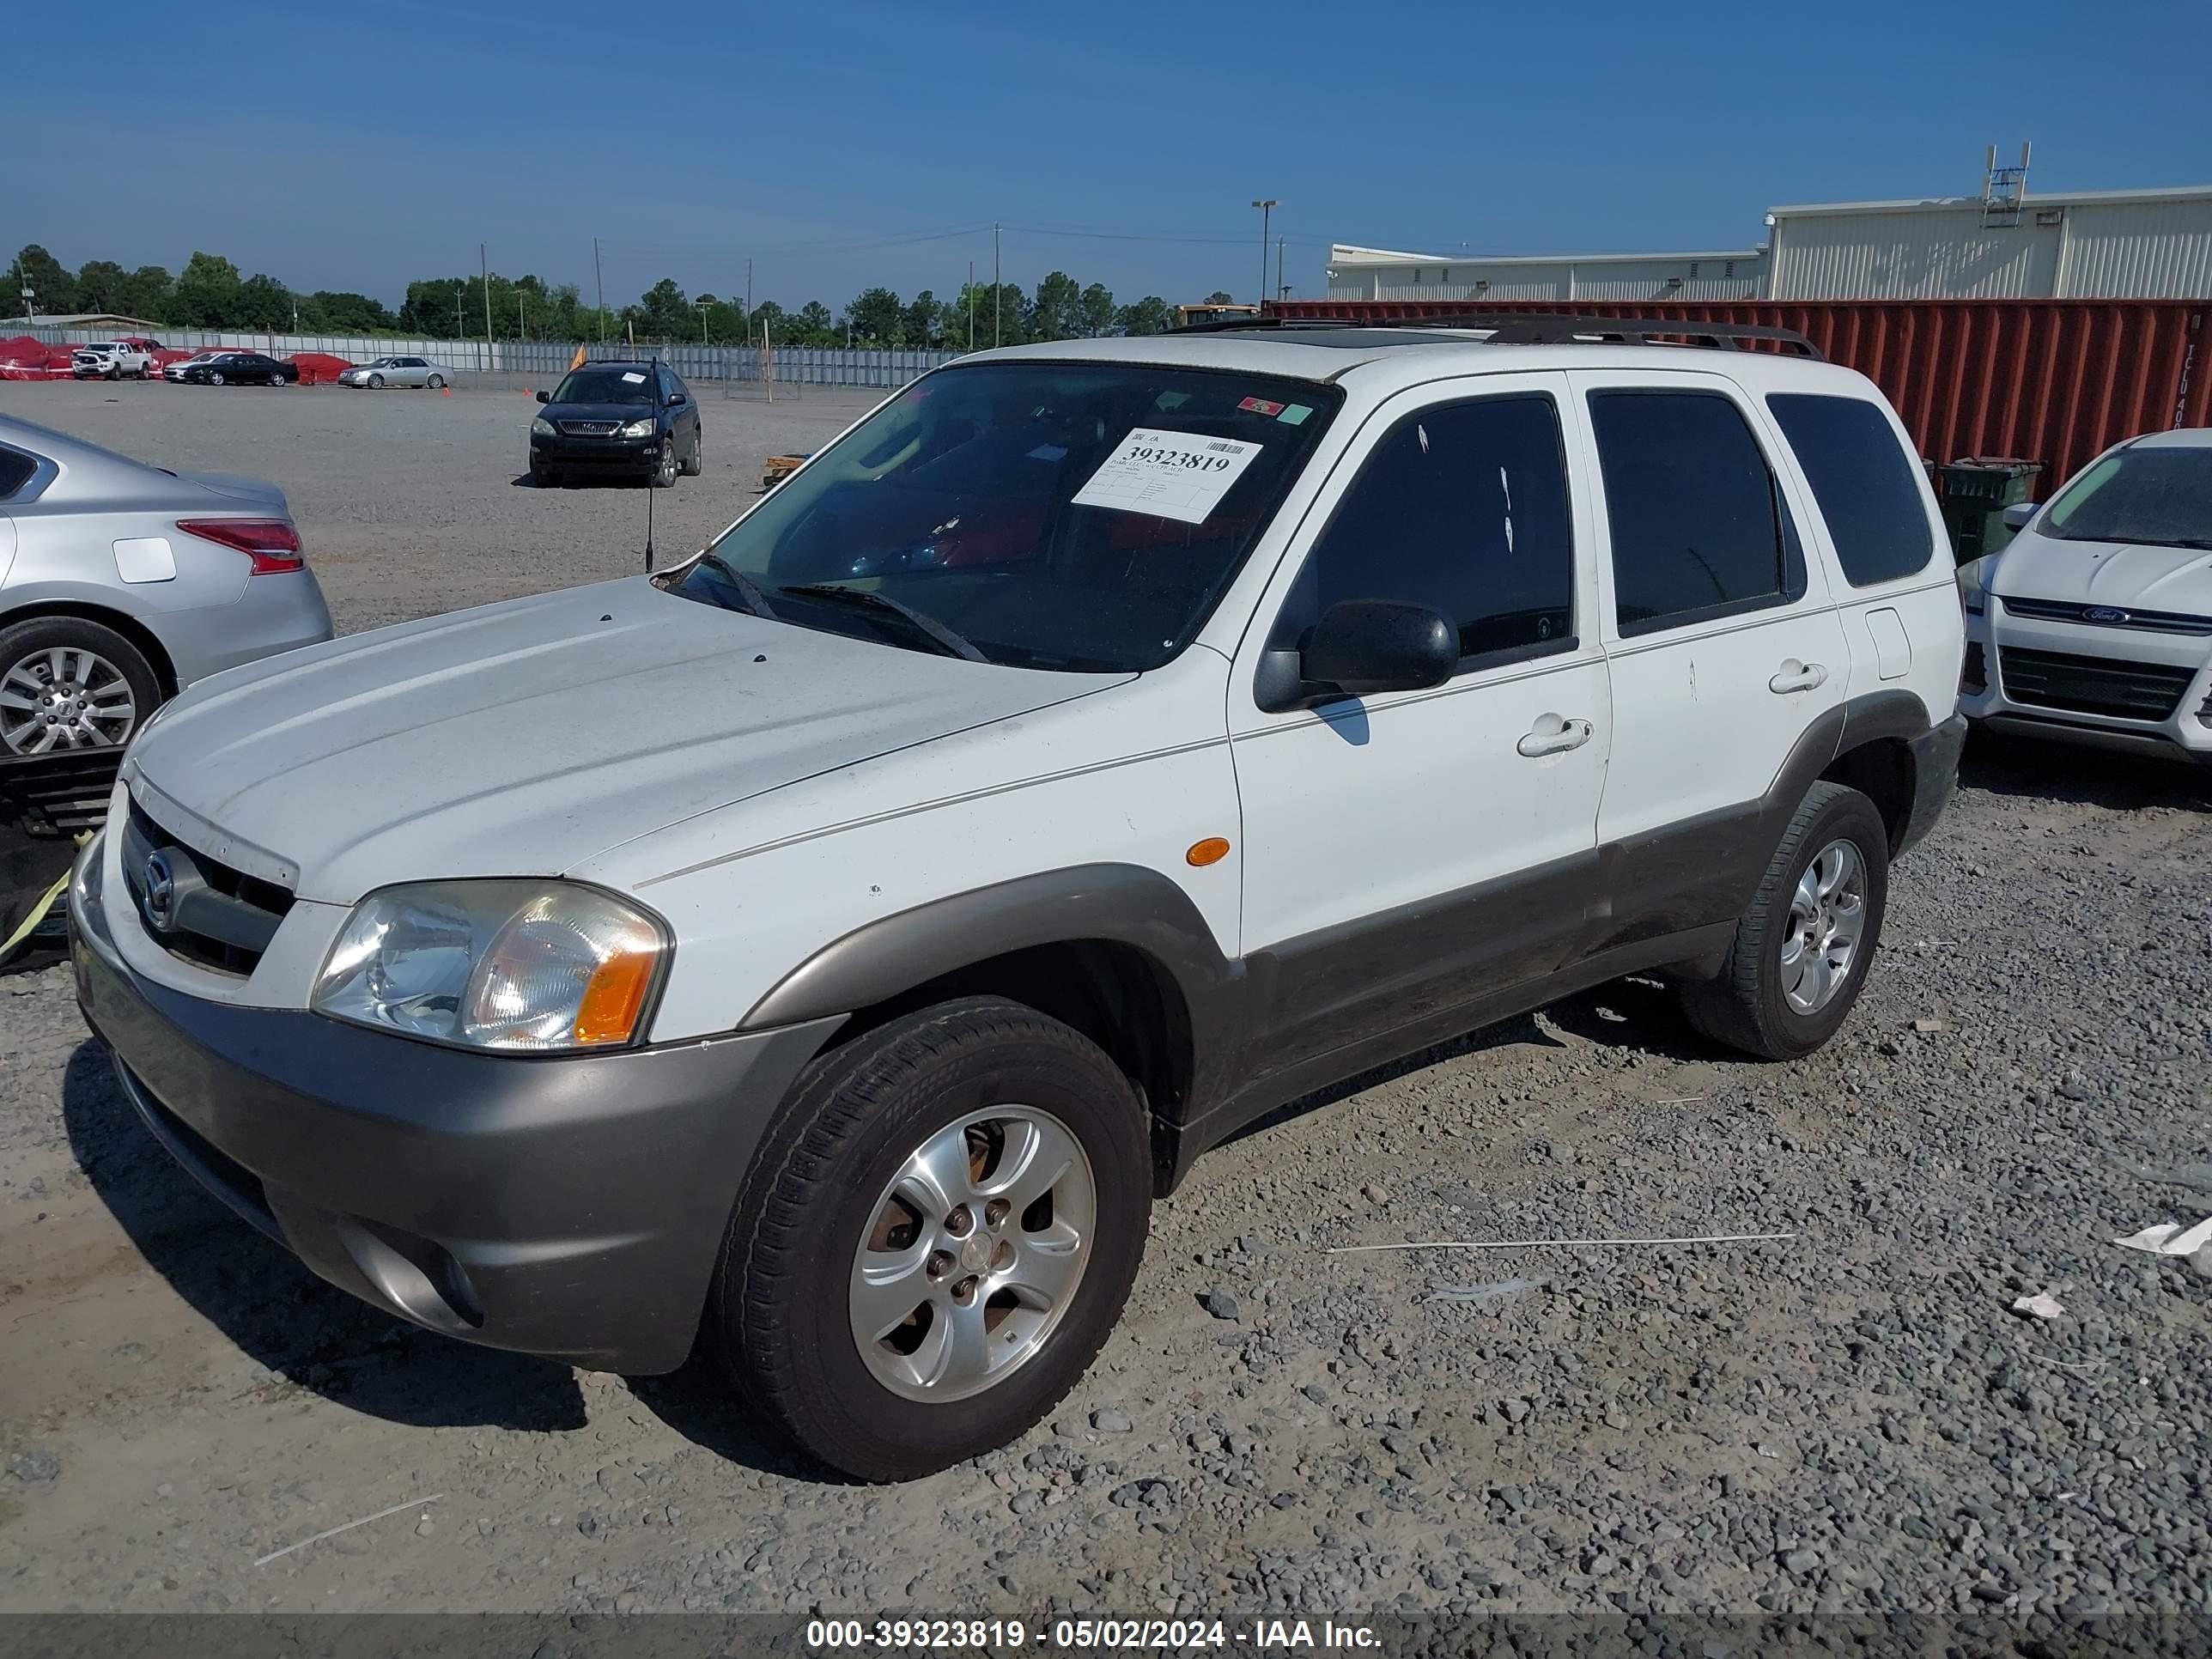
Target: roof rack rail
point(1541, 328)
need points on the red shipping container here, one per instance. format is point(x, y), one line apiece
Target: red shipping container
point(2049, 380)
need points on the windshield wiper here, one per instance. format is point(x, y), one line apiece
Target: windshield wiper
point(951, 644)
point(750, 591)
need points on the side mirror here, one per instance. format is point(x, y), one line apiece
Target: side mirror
point(545, 397)
point(2017, 515)
point(1360, 648)
point(676, 400)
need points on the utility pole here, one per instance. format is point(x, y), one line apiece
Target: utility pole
point(484, 261)
point(703, 322)
point(971, 305)
point(520, 332)
point(994, 285)
point(1282, 289)
point(1266, 205)
point(599, 276)
point(749, 288)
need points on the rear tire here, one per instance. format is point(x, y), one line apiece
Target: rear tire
point(437, 382)
point(817, 1207)
point(1829, 879)
point(102, 675)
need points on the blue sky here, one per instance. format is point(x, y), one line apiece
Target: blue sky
point(840, 144)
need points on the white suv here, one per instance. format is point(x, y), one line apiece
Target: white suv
point(834, 944)
point(2094, 625)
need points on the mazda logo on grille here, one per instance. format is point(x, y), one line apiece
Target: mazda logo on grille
point(2104, 613)
point(159, 889)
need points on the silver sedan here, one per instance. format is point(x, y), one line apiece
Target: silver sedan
point(121, 584)
point(395, 371)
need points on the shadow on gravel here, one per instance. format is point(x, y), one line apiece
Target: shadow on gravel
point(2051, 771)
point(274, 1308)
point(699, 1404)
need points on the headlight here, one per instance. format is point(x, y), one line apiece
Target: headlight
point(1974, 583)
point(521, 966)
point(639, 428)
point(543, 426)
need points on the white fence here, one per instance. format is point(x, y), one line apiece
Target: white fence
point(547, 359)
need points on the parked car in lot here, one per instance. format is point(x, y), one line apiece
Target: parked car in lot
point(626, 418)
point(238, 368)
point(831, 947)
point(2093, 625)
point(115, 361)
point(121, 584)
point(175, 371)
point(394, 371)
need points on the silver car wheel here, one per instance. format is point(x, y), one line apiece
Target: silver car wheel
point(1828, 915)
point(66, 697)
point(973, 1254)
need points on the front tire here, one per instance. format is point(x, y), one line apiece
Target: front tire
point(663, 475)
point(215, 380)
point(544, 477)
point(937, 1235)
point(1802, 950)
point(376, 383)
point(696, 463)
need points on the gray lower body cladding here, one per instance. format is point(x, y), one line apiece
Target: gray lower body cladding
point(566, 1206)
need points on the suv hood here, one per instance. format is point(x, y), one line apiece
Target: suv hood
point(521, 738)
point(2126, 574)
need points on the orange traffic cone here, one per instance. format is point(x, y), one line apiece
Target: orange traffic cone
point(445, 392)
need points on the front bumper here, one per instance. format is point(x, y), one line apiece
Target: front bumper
point(613, 454)
point(2185, 734)
point(570, 1207)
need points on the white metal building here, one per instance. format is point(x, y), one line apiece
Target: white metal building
point(2108, 244)
point(1374, 273)
point(2102, 244)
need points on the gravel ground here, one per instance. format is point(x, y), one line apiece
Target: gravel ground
point(1850, 1421)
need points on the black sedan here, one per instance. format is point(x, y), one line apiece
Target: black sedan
point(240, 368)
point(634, 419)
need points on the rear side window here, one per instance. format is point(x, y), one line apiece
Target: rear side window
point(15, 471)
point(1863, 482)
point(1699, 528)
point(1463, 509)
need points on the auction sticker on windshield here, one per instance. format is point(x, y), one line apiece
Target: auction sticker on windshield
point(1169, 475)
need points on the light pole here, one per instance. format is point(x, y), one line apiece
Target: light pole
point(1267, 206)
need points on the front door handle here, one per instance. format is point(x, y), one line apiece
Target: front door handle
point(1795, 675)
point(1554, 735)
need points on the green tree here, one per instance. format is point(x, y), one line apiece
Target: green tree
point(1057, 313)
point(876, 318)
point(53, 288)
point(151, 293)
point(102, 285)
point(207, 291)
point(263, 303)
point(924, 323)
point(663, 313)
point(1097, 311)
point(1150, 315)
point(343, 313)
point(815, 325)
point(1218, 298)
point(771, 316)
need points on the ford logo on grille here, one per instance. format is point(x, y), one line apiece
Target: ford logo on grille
point(159, 892)
point(2104, 613)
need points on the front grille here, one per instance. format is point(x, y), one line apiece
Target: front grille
point(216, 917)
point(2092, 685)
point(586, 429)
point(2108, 616)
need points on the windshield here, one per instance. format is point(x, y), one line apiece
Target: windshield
point(2157, 494)
point(1082, 517)
point(606, 386)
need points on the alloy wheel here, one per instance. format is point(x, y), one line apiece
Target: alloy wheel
point(64, 697)
point(1827, 916)
point(973, 1254)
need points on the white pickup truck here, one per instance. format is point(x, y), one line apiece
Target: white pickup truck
point(114, 361)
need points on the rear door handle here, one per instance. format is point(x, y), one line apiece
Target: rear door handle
point(1554, 735)
point(1795, 675)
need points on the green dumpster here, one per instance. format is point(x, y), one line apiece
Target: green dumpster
point(1977, 489)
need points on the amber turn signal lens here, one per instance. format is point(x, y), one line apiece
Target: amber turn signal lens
point(1211, 850)
point(615, 997)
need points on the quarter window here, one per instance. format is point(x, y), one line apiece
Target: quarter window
point(1863, 482)
point(1463, 509)
point(1699, 528)
point(15, 471)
